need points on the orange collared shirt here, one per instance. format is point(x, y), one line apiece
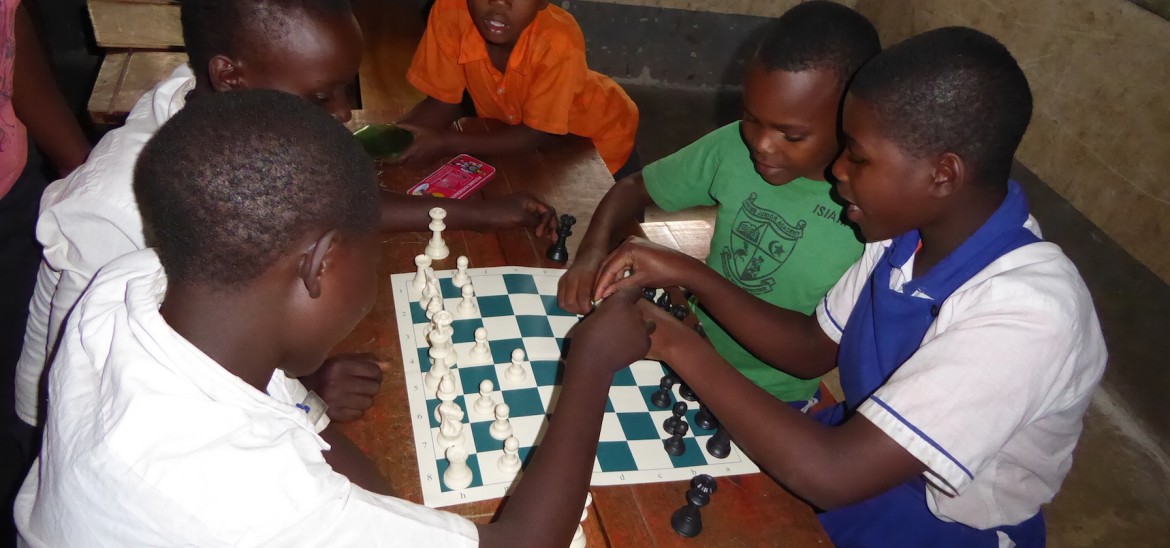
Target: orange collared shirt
point(547, 86)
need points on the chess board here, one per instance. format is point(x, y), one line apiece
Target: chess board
point(517, 307)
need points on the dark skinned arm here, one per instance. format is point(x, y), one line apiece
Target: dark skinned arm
point(406, 213)
point(432, 143)
point(619, 210)
point(349, 461)
point(792, 342)
point(433, 113)
point(829, 467)
point(546, 506)
point(39, 104)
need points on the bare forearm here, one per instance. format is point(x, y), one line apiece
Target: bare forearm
point(39, 104)
point(787, 340)
point(408, 213)
point(564, 463)
point(618, 211)
point(349, 461)
point(433, 113)
point(828, 466)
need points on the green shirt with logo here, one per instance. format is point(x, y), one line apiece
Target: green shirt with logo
point(787, 244)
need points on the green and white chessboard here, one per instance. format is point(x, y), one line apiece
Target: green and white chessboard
point(518, 308)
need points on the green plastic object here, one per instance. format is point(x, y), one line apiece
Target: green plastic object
point(384, 141)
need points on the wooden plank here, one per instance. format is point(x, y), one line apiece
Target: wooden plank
point(391, 32)
point(105, 89)
point(123, 78)
point(141, 24)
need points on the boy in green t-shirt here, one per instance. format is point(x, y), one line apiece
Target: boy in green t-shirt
point(778, 235)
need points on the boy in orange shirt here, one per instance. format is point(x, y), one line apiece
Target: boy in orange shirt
point(522, 62)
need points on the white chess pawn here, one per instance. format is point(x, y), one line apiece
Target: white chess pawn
point(481, 352)
point(434, 306)
point(467, 307)
point(437, 248)
point(509, 463)
point(422, 262)
point(516, 372)
point(461, 278)
point(451, 428)
point(447, 396)
point(438, 370)
point(501, 428)
point(485, 405)
point(458, 474)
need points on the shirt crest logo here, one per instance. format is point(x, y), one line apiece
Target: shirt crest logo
point(761, 241)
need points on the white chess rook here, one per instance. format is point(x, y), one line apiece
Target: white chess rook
point(509, 463)
point(461, 278)
point(437, 248)
point(501, 428)
point(458, 475)
point(485, 405)
point(420, 278)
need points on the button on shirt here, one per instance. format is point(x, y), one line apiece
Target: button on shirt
point(150, 442)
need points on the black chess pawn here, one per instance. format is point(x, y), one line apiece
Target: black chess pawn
point(687, 521)
point(675, 445)
point(559, 252)
point(704, 419)
point(679, 311)
point(661, 397)
point(648, 293)
point(670, 373)
point(663, 301)
point(679, 410)
point(687, 394)
point(719, 446)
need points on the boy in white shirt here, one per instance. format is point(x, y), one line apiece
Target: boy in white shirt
point(310, 48)
point(173, 418)
point(968, 348)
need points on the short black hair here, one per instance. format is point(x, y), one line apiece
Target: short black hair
point(223, 27)
point(952, 89)
point(231, 182)
point(819, 35)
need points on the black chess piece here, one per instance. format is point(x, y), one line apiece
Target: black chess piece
point(648, 293)
point(679, 410)
point(559, 252)
point(661, 398)
point(687, 521)
point(670, 373)
point(679, 311)
point(687, 394)
point(663, 301)
point(719, 446)
point(675, 445)
point(704, 419)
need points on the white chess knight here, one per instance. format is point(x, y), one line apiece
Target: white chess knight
point(422, 262)
point(458, 475)
point(481, 352)
point(516, 372)
point(447, 396)
point(486, 404)
point(501, 428)
point(461, 278)
point(437, 248)
point(467, 307)
point(450, 428)
point(509, 463)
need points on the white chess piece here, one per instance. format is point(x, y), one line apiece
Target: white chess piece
point(486, 404)
point(509, 463)
point(447, 396)
point(461, 278)
point(579, 537)
point(429, 290)
point(420, 278)
point(501, 428)
point(451, 428)
point(437, 248)
point(458, 474)
point(467, 307)
point(516, 372)
point(434, 306)
point(443, 320)
point(481, 352)
point(440, 357)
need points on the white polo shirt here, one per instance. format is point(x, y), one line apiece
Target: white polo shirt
point(87, 220)
point(992, 401)
point(150, 443)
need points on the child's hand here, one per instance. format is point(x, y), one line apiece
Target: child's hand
point(613, 336)
point(347, 383)
point(649, 264)
point(670, 335)
point(575, 288)
point(522, 210)
point(428, 144)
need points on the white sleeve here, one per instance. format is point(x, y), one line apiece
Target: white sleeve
point(1007, 356)
point(36, 346)
point(834, 309)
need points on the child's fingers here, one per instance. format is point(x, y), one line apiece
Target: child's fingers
point(613, 268)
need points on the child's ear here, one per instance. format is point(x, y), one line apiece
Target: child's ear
point(225, 74)
point(315, 262)
point(949, 175)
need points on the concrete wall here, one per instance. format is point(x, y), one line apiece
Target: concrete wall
point(1099, 70)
